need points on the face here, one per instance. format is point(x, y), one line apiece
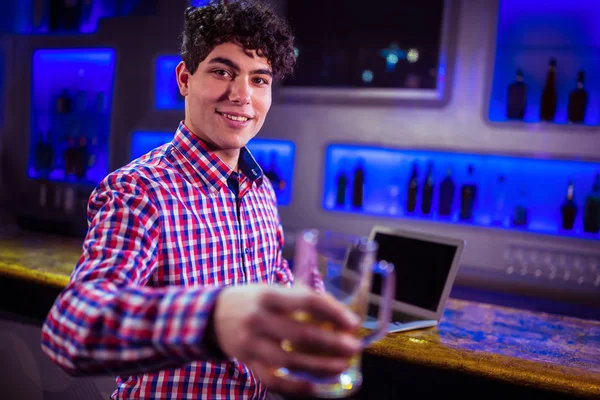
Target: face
point(228, 97)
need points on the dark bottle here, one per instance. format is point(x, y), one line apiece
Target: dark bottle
point(446, 195)
point(516, 98)
point(578, 100)
point(81, 159)
point(64, 102)
point(413, 189)
point(520, 215)
point(569, 208)
point(340, 191)
point(43, 159)
point(427, 199)
point(70, 158)
point(468, 194)
point(548, 100)
point(358, 183)
point(591, 212)
point(65, 15)
point(271, 173)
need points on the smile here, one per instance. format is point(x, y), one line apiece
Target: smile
point(234, 117)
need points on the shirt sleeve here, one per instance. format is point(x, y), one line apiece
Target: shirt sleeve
point(107, 319)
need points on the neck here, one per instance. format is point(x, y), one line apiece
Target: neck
point(228, 156)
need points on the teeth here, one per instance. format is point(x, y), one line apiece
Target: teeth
point(235, 118)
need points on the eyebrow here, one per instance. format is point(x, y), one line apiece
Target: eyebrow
point(236, 68)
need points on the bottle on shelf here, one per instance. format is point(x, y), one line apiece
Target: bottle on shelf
point(468, 195)
point(591, 212)
point(413, 189)
point(80, 93)
point(272, 173)
point(427, 199)
point(499, 211)
point(548, 100)
point(43, 159)
point(446, 201)
point(81, 159)
point(569, 208)
point(63, 102)
point(578, 100)
point(358, 183)
point(70, 158)
point(340, 189)
point(520, 214)
point(516, 98)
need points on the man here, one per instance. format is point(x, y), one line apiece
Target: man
point(182, 290)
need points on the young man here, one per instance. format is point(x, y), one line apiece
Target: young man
point(182, 290)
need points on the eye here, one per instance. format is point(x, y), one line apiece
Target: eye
point(261, 81)
point(222, 72)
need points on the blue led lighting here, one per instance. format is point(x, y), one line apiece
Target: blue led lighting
point(166, 94)
point(529, 33)
point(262, 150)
point(539, 185)
point(87, 77)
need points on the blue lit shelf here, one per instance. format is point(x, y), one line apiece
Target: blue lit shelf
point(529, 34)
point(276, 158)
point(167, 96)
point(540, 186)
point(71, 100)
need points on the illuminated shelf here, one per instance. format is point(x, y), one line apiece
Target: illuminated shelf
point(276, 158)
point(529, 34)
point(166, 94)
point(540, 186)
point(71, 100)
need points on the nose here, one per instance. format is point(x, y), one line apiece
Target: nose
point(240, 91)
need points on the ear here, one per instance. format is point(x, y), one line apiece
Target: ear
point(183, 77)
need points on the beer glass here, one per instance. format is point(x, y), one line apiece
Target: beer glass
point(345, 264)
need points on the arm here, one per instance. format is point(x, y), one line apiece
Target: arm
point(106, 320)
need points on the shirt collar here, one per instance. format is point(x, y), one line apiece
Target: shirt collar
point(209, 166)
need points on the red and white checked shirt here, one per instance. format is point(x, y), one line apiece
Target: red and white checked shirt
point(165, 233)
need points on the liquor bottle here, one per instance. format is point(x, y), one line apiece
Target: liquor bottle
point(498, 213)
point(43, 158)
point(548, 100)
point(468, 194)
point(80, 93)
point(578, 100)
point(63, 102)
point(427, 199)
point(271, 173)
point(516, 98)
point(81, 159)
point(341, 186)
point(446, 195)
point(569, 208)
point(101, 106)
point(358, 183)
point(413, 189)
point(591, 213)
point(70, 158)
point(520, 215)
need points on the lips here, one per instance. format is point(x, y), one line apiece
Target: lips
point(235, 120)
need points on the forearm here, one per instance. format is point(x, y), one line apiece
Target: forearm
point(97, 328)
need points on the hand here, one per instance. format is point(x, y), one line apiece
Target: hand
point(251, 321)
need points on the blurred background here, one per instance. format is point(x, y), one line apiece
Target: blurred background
point(472, 119)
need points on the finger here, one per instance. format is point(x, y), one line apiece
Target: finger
point(309, 338)
point(280, 384)
point(320, 307)
point(270, 352)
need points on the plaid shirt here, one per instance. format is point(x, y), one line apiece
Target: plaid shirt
point(165, 233)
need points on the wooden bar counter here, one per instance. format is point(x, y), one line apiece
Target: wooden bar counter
point(557, 354)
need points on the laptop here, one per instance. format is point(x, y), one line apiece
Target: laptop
point(425, 266)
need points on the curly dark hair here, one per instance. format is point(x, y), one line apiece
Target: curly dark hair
point(253, 25)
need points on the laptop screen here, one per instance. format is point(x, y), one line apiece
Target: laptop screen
point(421, 266)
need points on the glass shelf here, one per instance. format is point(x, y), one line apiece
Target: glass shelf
point(528, 35)
point(71, 101)
point(276, 158)
point(528, 197)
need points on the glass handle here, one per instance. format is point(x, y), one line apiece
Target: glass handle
point(386, 270)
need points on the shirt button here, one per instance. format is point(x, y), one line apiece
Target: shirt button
point(247, 250)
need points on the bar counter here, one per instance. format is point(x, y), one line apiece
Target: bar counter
point(554, 353)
